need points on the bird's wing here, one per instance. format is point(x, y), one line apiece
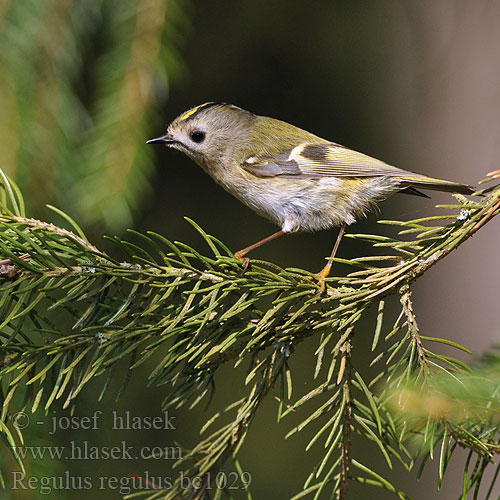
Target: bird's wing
point(321, 160)
point(327, 159)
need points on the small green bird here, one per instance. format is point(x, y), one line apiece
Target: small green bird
point(292, 177)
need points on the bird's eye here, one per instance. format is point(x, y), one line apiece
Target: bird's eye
point(197, 136)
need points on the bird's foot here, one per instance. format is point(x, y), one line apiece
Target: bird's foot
point(322, 275)
point(245, 261)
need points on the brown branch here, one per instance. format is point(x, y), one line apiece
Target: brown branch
point(404, 272)
point(46, 226)
point(272, 368)
point(413, 326)
point(439, 255)
point(346, 422)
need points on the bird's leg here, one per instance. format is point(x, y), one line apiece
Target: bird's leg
point(240, 254)
point(325, 272)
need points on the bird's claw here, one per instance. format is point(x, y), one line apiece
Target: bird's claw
point(322, 275)
point(321, 286)
point(321, 282)
point(245, 261)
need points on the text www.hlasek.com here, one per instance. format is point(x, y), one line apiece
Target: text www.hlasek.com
point(84, 451)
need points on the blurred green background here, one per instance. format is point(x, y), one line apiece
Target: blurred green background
point(83, 85)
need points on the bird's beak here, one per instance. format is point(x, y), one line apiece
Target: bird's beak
point(165, 139)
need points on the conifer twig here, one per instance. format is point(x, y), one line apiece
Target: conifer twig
point(197, 312)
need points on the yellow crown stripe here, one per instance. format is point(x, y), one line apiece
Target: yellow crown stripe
point(193, 111)
point(190, 112)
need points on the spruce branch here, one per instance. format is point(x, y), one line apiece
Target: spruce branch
point(69, 312)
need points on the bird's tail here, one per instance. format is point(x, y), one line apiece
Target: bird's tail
point(423, 182)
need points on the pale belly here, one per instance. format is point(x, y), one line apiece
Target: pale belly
point(313, 204)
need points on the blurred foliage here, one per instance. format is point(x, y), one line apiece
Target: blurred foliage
point(79, 83)
point(201, 312)
point(455, 409)
point(471, 395)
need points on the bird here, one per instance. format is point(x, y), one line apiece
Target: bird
point(297, 180)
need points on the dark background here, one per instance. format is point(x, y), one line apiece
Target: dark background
point(415, 84)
